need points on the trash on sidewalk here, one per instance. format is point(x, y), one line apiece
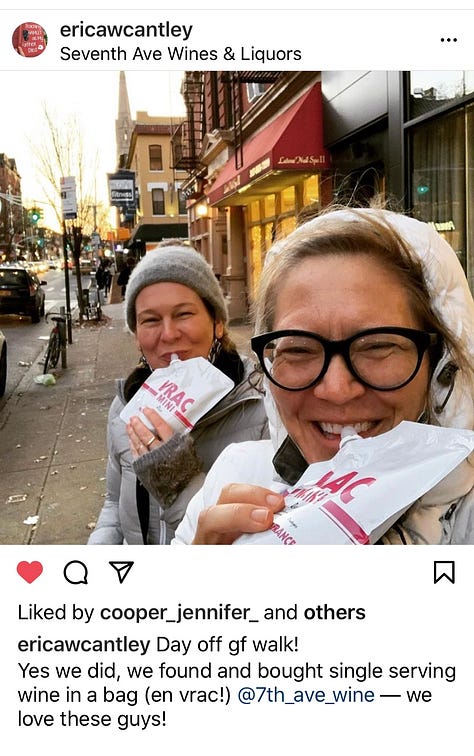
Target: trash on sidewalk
point(46, 379)
point(16, 498)
point(32, 520)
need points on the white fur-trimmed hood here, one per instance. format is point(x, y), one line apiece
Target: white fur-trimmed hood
point(428, 520)
point(451, 300)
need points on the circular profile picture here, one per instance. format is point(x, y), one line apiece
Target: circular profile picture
point(29, 39)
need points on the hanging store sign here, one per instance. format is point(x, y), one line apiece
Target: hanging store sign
point(122, 188)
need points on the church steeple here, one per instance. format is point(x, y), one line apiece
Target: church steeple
point(124, 124)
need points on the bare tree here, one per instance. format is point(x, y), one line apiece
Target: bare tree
point(60, 153)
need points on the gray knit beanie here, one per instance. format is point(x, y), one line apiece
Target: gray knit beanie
point(178, 264)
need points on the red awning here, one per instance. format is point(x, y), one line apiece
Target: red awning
point(292, 141)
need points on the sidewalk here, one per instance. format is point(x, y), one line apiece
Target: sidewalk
point(53, 438)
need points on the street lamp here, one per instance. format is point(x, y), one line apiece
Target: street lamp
point(201, 209)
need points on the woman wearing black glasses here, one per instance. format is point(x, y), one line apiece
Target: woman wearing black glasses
point(364, 319)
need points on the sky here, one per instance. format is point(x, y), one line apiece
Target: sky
point(91, 97)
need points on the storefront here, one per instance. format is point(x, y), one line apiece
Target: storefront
point(439, 133)
point(263, 189)
point(146, 236)
point(408, 137)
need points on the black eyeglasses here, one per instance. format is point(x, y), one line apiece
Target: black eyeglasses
point(381, 358)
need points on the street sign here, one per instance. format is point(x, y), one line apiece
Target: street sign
point(68, 197)
point(122, 188)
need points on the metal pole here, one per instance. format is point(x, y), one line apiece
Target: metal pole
point(66, 281)
point(62, 336)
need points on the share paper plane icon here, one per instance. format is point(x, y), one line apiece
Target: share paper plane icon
point(122, 569)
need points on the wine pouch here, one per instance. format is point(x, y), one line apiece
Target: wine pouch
point(355, 497)
point(181, 393)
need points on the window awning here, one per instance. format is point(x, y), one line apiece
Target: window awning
point(155, 232)
point(293, 141)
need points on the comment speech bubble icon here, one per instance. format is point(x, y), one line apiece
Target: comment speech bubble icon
point(75, 572)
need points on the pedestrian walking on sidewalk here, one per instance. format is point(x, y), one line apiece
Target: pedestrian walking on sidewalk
point(101, 279)
point(125, 273)
point(112, 271)
point(174, 305)
point(107, 276)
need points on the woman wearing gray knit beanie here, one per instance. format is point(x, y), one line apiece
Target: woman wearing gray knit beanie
point(174, 305)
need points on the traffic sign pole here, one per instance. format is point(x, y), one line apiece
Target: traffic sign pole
point(69, 208)
point(66, 282)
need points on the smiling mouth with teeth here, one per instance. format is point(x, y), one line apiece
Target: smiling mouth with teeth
point(334, 429)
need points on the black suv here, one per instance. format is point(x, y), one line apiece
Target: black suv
point(21, 292)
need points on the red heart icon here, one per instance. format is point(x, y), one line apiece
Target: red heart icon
point(29, 571)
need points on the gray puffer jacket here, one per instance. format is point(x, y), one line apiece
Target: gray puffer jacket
point(147, 497)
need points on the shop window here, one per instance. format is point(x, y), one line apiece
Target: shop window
point(254, 211)
point(155, 157)
point(287, 225)
point(288, 200)
point(158, 201)
point(181, 203)
point(254, 90)
point(255, 255)
point(311, 191)
point(432, 89)
point(269, 206)
point(438, 177)
point(268, 235)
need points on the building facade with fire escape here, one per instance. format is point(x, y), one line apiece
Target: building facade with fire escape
point(263, 149)
point(253, 147)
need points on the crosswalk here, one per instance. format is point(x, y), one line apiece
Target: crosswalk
point(56, 298)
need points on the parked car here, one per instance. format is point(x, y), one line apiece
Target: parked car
point(21, 292)
point(3, 363)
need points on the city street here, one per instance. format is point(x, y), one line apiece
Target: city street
point(53, 438)
point(26, 340)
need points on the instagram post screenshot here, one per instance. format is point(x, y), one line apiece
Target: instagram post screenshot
point(236, 311)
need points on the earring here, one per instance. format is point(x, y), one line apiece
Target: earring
point(214, 351)
point(143, 362)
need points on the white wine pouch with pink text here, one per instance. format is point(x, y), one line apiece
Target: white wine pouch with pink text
point(181, 393)
point(355, 497)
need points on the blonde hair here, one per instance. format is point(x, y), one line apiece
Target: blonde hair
point(334, 232)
